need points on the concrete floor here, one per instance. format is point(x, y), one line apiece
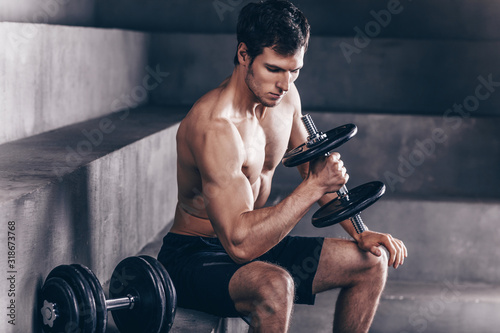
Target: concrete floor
point(316, 318)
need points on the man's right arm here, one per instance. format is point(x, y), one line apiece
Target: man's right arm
point(244, 232)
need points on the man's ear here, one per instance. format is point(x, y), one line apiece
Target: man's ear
point(243, 57)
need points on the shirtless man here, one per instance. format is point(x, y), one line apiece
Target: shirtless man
point(226, 253)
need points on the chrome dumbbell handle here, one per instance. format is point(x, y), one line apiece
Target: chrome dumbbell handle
point(50, 310)
point(343, 193)
point(122, 303)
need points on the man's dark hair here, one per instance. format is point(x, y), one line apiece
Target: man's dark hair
point(273, 23)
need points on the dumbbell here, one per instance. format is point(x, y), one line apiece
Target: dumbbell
point(348, 204)
point(143, 299)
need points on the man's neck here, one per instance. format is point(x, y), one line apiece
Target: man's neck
point(245, 103)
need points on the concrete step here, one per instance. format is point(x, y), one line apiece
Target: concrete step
point(54, 76)
point(385, 76)
point(448, 19)
point(447, 306)
point(418, 157)
point(91, 193)
point(459, 19)
point(80, 13)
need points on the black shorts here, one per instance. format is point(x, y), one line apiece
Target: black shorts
point(201, 269)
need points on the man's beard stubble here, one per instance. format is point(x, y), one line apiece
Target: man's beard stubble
point(250, 82)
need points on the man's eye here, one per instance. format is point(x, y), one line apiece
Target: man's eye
point(273, 70)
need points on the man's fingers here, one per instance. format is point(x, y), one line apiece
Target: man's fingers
point(397, 252)
point(375, 250)
point(335, 156)
point(340, 165)
point(402, 251)
point(391, 246)
point(393, 256)
point(400, 257)
point(396, 249)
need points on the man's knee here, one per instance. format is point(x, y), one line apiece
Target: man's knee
point(377, 266)
point(270, 288)
point(277, 287)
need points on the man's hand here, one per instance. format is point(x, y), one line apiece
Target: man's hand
point(371, 241)
point(329, 173)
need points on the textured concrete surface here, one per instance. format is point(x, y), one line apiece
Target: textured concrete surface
point(317, 318)
point(388, 76)
point(105, 205)
point(193, 73)
point(74, 12)
point(53, 76)
point(453, 19)
point(442, 307)
point(447, 306)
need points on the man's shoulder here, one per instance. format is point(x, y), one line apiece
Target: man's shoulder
point(292, 99)
point(206, 119)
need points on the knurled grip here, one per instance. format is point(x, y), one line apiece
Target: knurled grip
point(311, 129)
point(358, 224)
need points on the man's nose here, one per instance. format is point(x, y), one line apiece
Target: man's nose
point(285, 81)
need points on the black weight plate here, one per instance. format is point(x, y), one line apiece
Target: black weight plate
point(171, 295)
point(135, 276)
point(57, 291)
point(84, 296)
point(338, 210)
point(334, 138)
point(99, 296)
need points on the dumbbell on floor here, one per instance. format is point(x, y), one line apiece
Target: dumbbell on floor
point(348, 204)
point(143, 298)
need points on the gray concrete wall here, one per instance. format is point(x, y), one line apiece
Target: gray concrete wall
point(401, 76)
point(103, 208)
point(448, 19)
point(387, 76)
point(193, 73)
point(66, 12)
point(53, 76)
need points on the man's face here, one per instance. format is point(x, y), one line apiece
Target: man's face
point(270, 75)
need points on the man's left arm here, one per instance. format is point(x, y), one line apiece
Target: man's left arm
point(368, 240)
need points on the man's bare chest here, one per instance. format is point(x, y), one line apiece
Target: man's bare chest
point(263, 148)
